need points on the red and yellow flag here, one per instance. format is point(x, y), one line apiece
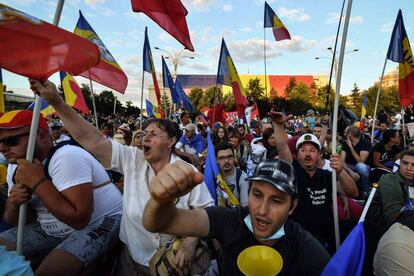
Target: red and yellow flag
point(73, 93)
point(272, 21)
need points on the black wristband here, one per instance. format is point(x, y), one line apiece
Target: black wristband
point(38, 183)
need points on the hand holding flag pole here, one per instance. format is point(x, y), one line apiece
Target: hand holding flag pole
point(31, 145)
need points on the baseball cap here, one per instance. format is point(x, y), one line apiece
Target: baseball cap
point(308, 138)
point(310, 112)
point(20, 118)
point(190, 127)
point(279, 173)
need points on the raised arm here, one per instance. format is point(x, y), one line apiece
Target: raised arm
point(160, 213)
point(280, 136)
point(83, 132)
point(345, 184)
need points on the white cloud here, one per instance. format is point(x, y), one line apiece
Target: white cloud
point(386, 28)
point(227, 7)
point(245, 29)
point(13, 3)
point(94, 2)
point(298, 14)
point(199, 5)
point(297, 44)
point(333, 18)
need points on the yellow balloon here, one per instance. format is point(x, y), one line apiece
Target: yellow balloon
point(260, 260)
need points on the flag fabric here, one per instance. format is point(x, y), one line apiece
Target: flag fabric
point(107, 72)
point(168, 81)
point(151, 110)
point(364, 107)
point(148, 66)
point(169, 15)
point(272, 21)
point(37, 49)
point(45, 108)
point(73, 93)
point(2, 107)
point(185, 101)
point(349, 259)
point(227, 75)
point(213, 179)
point(400, 51)
point(216, 114)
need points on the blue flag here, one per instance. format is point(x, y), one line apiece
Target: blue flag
point(186, 103)
point(349, 259)
point(168, 81)
point(211, 170)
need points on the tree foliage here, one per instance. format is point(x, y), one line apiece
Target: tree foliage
point(165, 104)
point(254, 89)
point(195, 96)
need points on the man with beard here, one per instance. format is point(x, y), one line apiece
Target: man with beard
point(314, 210)
point(139, 167)
point(272, 198)
point(234, 177)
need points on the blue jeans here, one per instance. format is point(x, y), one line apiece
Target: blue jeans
point(363, 170)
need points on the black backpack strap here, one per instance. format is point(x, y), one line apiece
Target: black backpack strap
point(238, 175)
point(54, 149)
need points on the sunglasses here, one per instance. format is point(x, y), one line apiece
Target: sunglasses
point(12, 140)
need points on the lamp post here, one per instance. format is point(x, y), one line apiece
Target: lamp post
point(175, 59)
point(334, 67)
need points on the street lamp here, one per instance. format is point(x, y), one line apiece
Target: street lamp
point(334, 67)
point(175, 58)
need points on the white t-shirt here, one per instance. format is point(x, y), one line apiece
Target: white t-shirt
point(231, 181)
point(62, 138)
point(68, 167)
point(137, 177)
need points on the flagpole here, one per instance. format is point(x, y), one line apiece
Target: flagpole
point(403, 127)
point(114, 104)
point(368, 203)
point(31, 146)
point(328, 93)
point(265, 63)
point(335, 121)
point(93, 103)
point(377, 100)
point(142, 99)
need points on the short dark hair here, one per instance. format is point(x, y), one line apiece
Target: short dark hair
point(317, 125)
point(388, 134)
point(172, 129)
point(407, 153)
point(222, 146)
point(183, 114)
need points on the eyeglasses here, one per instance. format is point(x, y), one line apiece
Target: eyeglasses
point(11, 141)
point(152, 134)
point(224, 158)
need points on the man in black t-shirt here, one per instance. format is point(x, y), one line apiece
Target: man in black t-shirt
point(272, 198)
point(314, 210)
point(355, 152)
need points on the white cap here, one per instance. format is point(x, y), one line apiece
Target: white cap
point(308, 138)
point(190, 127)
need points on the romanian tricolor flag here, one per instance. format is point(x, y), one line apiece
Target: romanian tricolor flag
point(152, 110)
point(360, 124)
point(2, 107)
point(227, 75)
point(148, 66)
point(45, 108)
point(107, 72)
point(73, 93)
point(218, 188)
point(400, 51)
point(272, 21)
point(37, 49)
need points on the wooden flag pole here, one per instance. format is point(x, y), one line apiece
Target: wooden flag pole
point(335, 121)
point(31, 145)
point(265, 61)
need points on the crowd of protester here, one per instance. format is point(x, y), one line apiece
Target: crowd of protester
point(122, 191)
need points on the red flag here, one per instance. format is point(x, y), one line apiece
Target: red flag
point(169, 15)
point(216, 114)
point(37, 49)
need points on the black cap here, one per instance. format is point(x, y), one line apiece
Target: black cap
point(277, 172)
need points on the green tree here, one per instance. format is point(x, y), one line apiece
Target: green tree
point(195, 96)
point(86, 92)
point(254, 89)
point(211, 96)
point(165, 104)
point(105, 103)
point(354, 100)
point(289, 87)
point(130, 109)
point(301, 92)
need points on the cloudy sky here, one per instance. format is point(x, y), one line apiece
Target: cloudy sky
point(312, 25)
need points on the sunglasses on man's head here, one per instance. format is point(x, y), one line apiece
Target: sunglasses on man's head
point(12, 140)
